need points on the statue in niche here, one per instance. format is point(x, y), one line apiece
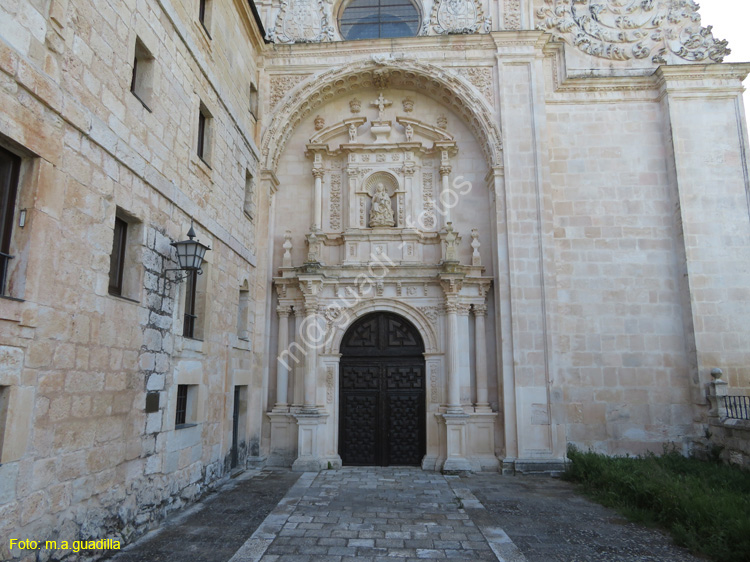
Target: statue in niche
point(352, 133)
point(409, 132)
point(382, 211)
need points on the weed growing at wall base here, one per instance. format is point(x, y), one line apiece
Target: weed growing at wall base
point(705, 505)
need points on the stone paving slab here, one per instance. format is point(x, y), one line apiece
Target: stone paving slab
point(374, 514)
point(549, 521)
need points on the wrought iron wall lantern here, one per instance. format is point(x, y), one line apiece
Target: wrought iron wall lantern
point(189, 256)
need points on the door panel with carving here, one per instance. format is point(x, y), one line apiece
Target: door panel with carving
point(382, 393)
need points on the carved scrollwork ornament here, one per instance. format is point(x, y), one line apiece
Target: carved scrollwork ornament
point(457, 17)
point(302, 21)
point(669, 31)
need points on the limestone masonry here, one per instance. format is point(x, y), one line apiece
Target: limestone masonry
point(456, 234)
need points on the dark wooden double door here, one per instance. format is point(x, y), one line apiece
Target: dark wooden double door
point(382, 393)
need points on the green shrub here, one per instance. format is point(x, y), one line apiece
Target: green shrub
point(705, 505)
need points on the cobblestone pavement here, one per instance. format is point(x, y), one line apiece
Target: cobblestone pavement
point(378, 514)
point(550, 522)
point(215, 528)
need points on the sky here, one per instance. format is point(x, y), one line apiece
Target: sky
point(729, 20)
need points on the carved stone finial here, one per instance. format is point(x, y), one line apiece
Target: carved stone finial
point(355, 105)
point(381, 103)
point(313, 248)
point(668, 32)
point(408, 104)
point(442, 121)
point(716, 373)
point(286, 261)
point(476, 259)
point(319, 123)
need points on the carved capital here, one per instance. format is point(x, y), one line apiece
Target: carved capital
point(463, 309)
point(283, 311)
point(480, 309)
point(445, 170)
point(318, 172)
point(451, 307)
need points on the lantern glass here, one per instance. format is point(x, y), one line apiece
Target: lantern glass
point(190, 254)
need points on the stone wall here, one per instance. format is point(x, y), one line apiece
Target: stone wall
point(85, 453)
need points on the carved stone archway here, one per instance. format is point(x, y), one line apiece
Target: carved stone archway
point(450, 90)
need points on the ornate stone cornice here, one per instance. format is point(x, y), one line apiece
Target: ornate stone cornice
point(664, 31)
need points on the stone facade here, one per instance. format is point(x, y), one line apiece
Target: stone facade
point(568, 231)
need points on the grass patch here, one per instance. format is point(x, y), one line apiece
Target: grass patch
point(705, 505)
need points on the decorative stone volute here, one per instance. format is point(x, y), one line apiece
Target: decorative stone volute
point(666, 31)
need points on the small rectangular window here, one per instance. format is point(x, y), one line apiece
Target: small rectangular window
point(188, 325)
point(117, 257)
point(141, 84)
point(204, 135)
point(181, 412)
point(243, 313)
point(186, 408)
point(4, 400)
point(253, 101)
point(201, 134)
point(249, 203)
point(204, 15)
point(10, 166)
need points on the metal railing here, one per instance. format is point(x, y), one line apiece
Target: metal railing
point(737, 407)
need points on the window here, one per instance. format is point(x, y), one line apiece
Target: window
point(249, 203)
point(117, 257)
point(10, 166)
point(187, 405)
point(188, 324)
point(124, 269)
point(254, 100)
point(204, 15)
point(243, 312)
point(204, 134)
point(373, 19)
point(4, 400)
point(141, 85)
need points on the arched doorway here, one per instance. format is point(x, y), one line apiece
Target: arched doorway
point(382, 392)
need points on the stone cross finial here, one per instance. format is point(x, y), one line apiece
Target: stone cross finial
point(381, 103)
point(476, 259)
point(287, 259)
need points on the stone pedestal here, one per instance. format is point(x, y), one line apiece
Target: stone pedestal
point(311, 455)
point(283, 436)
point(456, 437)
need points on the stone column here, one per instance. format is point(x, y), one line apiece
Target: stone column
point(311, 357)
point(282, 368)
point(445, 199)
point(480, 357)
point(318, 202)
point(454, 382)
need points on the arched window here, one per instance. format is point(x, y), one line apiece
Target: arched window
point(374, 19)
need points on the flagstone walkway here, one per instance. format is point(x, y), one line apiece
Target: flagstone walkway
point(377, 514)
